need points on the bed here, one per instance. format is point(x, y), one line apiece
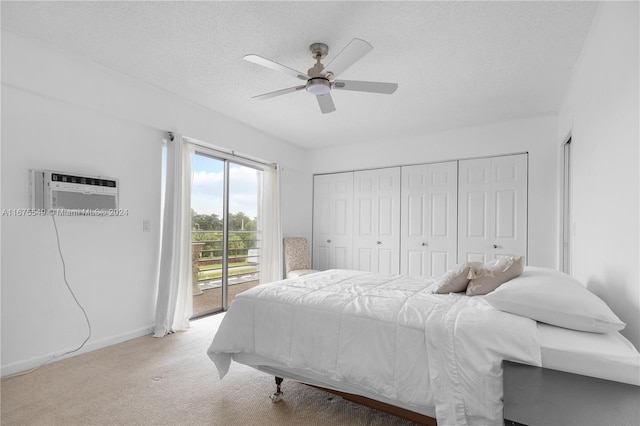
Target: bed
point(391, 339)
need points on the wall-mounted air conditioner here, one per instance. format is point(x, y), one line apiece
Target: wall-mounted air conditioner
point(58, 191)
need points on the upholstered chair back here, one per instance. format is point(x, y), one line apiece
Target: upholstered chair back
point(297, 257)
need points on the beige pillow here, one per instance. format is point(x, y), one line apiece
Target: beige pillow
point(455, 280)
point(487, 278)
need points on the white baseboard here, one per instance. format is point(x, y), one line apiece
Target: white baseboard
point(91, 345)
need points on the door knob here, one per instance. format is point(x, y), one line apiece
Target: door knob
point(328, 241)
point(424, 244)
point(495, 246)
point(378, 242)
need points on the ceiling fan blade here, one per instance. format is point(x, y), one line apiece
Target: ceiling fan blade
point(268, 63)
point(326, 103)
point(348, 56)
point(365, 86)
point(278, 93)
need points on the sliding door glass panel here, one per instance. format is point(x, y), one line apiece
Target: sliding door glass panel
point(244, 240)
point(207, 212)
point(226, 260)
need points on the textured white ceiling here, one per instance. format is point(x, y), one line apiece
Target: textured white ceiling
point(457, 63)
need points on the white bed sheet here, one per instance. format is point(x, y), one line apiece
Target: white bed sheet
point(607, 356)
point(421, 349)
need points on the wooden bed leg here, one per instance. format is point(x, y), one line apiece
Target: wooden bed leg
point(277, 396)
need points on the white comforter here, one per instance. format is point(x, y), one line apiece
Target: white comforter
point(386, 334)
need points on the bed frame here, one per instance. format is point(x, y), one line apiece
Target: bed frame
point(367, 402)
point(536, 396)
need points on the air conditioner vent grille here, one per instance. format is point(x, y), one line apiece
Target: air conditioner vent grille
point(59, 177)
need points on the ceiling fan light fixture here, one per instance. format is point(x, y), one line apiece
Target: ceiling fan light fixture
point(318, 86)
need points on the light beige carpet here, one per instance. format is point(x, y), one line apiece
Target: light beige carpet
point(168, 381)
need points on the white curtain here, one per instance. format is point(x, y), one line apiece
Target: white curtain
point(271, 238)
point(175, 304)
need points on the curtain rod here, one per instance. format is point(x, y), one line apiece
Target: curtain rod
point(225, 151)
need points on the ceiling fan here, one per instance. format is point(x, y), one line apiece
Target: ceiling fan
point(320, 79)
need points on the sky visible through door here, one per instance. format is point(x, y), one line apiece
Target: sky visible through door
point(208, 181)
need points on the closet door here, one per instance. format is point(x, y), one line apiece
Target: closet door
point(332, 221)
point(376, 213)
point(493, 208)
point(428, 237)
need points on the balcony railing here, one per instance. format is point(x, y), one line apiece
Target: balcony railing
point(207, 258)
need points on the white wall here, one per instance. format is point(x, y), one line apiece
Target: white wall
point(536, 136)
point(602, 115)
point(60, 112)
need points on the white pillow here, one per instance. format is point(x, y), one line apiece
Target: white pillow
point(555, 298)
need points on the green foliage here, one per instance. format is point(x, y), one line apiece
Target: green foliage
point(241, 222)
point(205, 222)
point(211, 222)
point(210, 232)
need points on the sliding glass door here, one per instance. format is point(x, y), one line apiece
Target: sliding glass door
point(224, 231)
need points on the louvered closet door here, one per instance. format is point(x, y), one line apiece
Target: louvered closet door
point(376, 224)
point(492, 208)
point(429, 219)
point(332, 221)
